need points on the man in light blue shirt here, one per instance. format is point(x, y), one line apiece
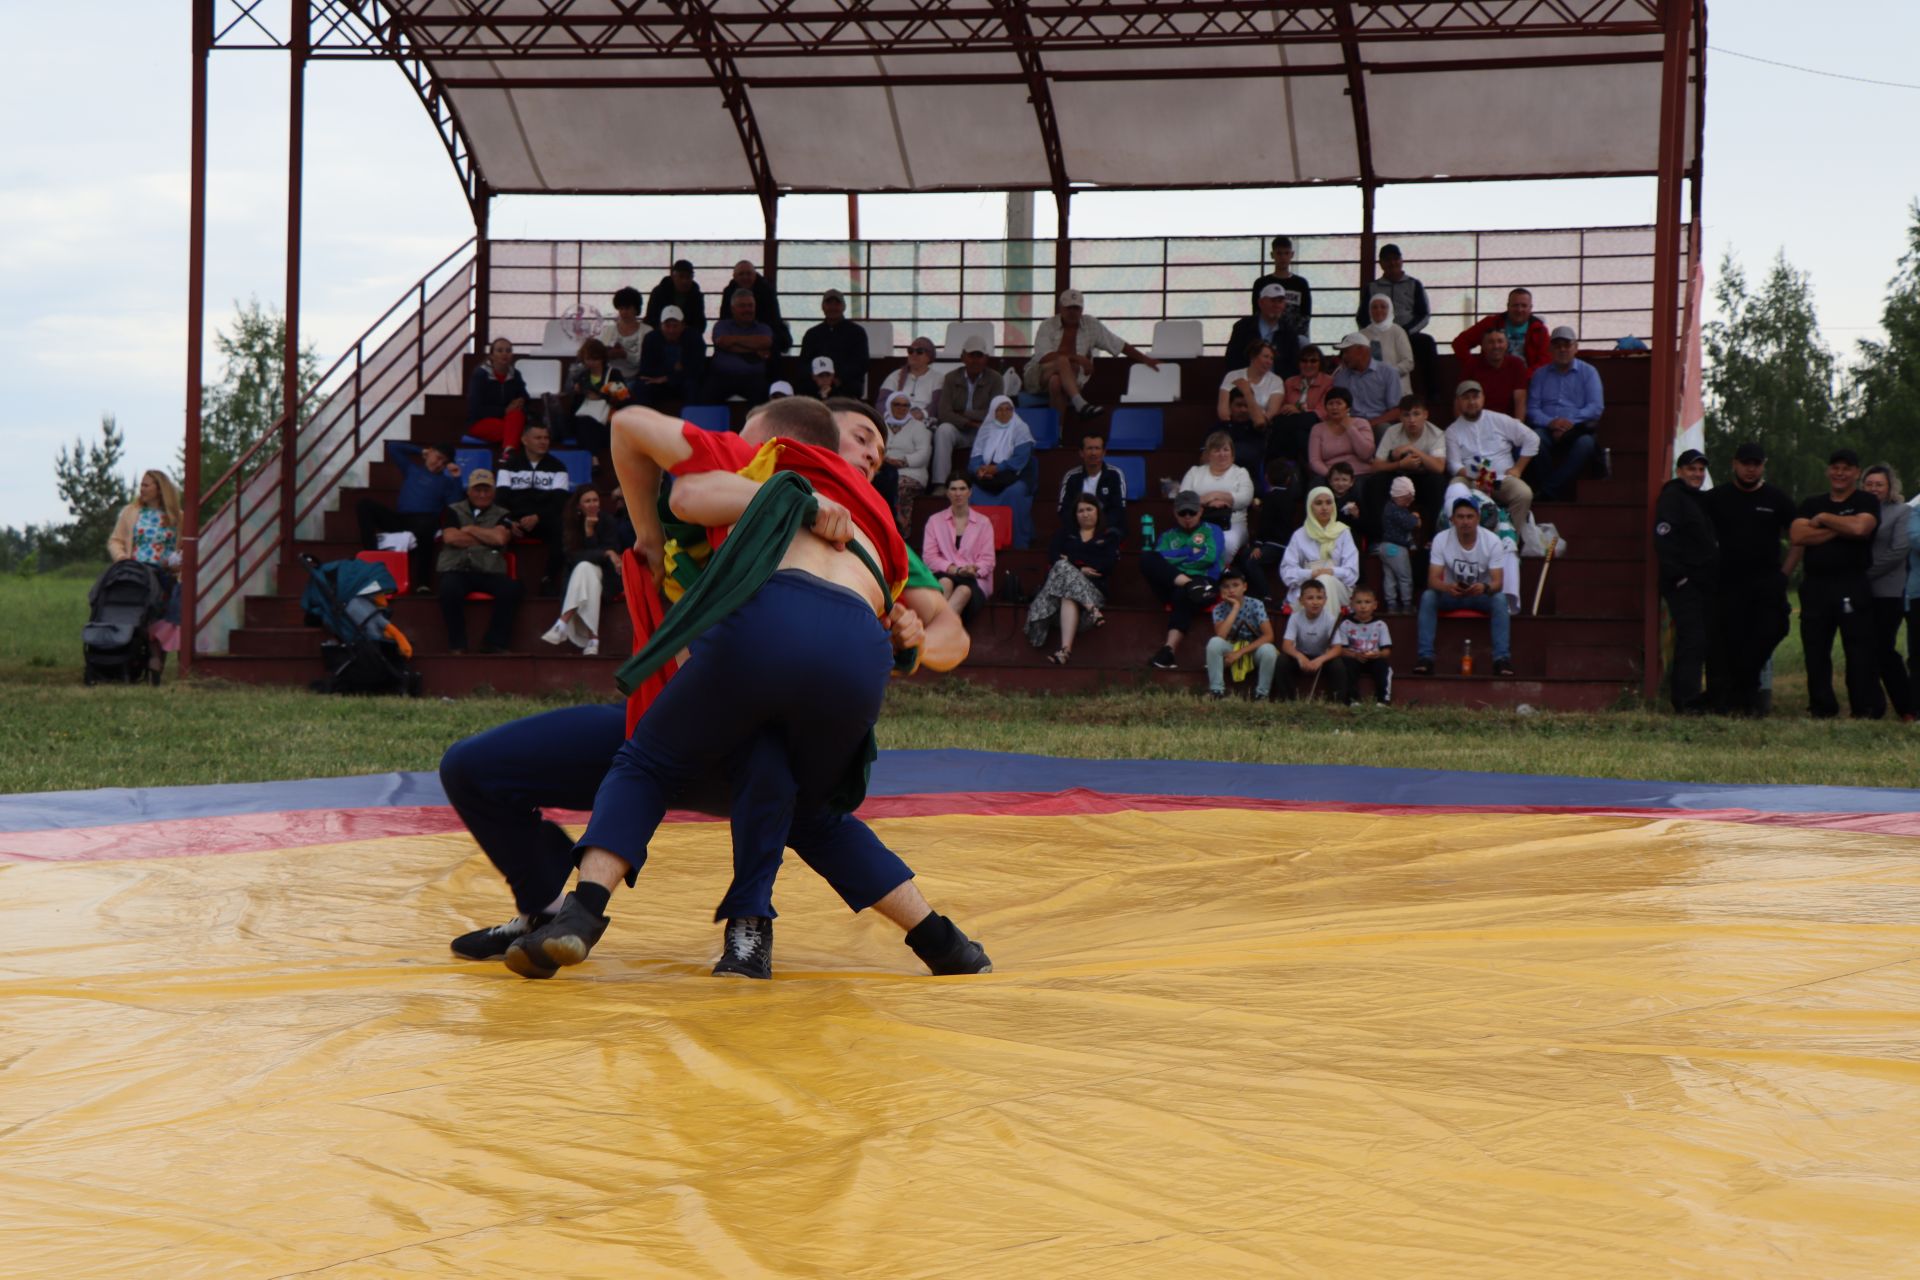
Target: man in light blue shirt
point(1373, 384)
point(1564, 404)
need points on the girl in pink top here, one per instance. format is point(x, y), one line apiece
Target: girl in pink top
point(1339, 437)
point(958, 547)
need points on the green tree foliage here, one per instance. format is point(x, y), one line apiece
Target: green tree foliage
point(245, 404)
point(1885, 384)
point(1769, 374)
point(90, 483)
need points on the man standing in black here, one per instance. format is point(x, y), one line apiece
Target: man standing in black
point(1751, 615)
point(1689, 560)
point(1836, 529)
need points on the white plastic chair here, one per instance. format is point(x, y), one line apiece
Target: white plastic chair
point(879, 338)
point(1152, 386)
point(1176, 340)
point(958, 331)
point(541, 376)
point(940, 369)
point(1012, 383)
point(557, 341)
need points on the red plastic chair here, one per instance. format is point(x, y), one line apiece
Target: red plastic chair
point(512, 572)
point(396, 564)
point(1001, 518)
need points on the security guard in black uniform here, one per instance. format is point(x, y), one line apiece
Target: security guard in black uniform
point(1689, 563)
point(1751, 614)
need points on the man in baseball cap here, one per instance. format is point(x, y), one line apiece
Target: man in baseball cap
point(1834, 531)
point(839, 340)
point(472, 558)
point(1751, 614)
point(1689, 552)
point(1063, 356)
point(1564, 405)
point(1273, 321)
point(1182, 568)
point(1373, 384)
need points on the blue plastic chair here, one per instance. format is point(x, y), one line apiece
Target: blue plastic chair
point(708, 417)
point(1135, 471)
point(472, 460)
point(1135, 429)
point(579, 465)
point(1045, 425)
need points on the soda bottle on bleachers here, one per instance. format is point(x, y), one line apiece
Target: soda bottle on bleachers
point(1146, 532)
point(1466, 657)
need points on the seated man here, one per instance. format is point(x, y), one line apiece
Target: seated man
point(1063, 355)
point(1526, 332)
point(1299, 292)
point(1095, 476)
point(1503, 377)
point(965, 396)
point(678, 292)
point(1373, 385)
point(472, 559)
point(1272, 323)
point(673, 361)
point(766, 303)
point(1308, 648)
point(1564, 404)
point(1413, 449)
point(1464, 573)
point(1182, 568)
point(1003, 469)
point(533, 488)
point(1241, 630)
point(1487, 451)
point(1410, 310)
point(429, 484)
point(742, 353)
point(840, 340)
point(497, 398)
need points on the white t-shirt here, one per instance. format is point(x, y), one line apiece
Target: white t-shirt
point(1312, 636)
point(1236, 482)
point(1467, 565)
point(1269, 386)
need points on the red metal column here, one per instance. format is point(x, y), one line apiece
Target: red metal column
point(1663, 402)
point(1062, 244)
point(290, 353)
point(196, 314)
point(482, 269)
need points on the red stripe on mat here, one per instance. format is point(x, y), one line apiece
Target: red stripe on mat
point(250, 833)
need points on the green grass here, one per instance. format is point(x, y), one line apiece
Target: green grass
point(61, 736)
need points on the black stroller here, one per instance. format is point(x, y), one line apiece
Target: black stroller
point(128, 598)
point(349, 599)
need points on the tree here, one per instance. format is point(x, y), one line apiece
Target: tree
point(1884, 390)
point(91, 485)
point(245, 404)
point(1770, 375)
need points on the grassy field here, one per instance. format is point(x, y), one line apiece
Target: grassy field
point(61, 736)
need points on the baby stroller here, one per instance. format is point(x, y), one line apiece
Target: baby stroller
point(368, 654)
point(128, 598)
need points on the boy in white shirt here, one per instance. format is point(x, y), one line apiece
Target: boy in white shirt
point(1365, 645)
point(1463, 572)
point(1309, 648)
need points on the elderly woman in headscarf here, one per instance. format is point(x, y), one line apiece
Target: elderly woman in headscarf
point(1002, 457)
point(1321, 548)
point(1390, 343)
point(909, 453)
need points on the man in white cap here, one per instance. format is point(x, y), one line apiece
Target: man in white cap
point(965, 396)
point(840, 340)
point(826, 379)
point(1063, 355)
point(1274, 321)
point(1564, 404)
point(673, 361)
point(1373, 385)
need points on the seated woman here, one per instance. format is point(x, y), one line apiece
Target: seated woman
point(593, 572)
point(1390, 343)
point(1003, 468)
point(148, 530)
point(594, 390)
point(1084, 556)
point(1322, 548)
point(958, 547)
point(1225, 489)
point(624, 334)
point(1339, 437)
point(1301, 403)
point(1260, 390)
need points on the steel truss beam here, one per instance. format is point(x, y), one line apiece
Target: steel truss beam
point(697, 18)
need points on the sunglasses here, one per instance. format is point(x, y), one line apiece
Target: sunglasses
point(920, 351)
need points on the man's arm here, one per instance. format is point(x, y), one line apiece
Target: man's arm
point(946, 643)
point(1128, 350)
point(1470, 337)
point(719, 498)
point(1805, 533)
point(1860, 526)
point(1421, 311)
point(1592, 405)
point(1496, 581)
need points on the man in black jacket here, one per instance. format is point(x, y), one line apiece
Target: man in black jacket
point(677, 289)
point(1751, 615)
point(841, 341)
point(1275, 321)
point(1836, 529)
point(766, 305)
point(1689, 561)
point(1094, 476)
point(533, 489)
point(1299, 292)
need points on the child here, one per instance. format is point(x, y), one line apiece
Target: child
point(1399, 531)
point(1242, 632)
point(1346, 503)
point(1365, 645)
point(1309, 645)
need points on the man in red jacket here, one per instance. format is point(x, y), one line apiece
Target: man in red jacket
point(1504, 377)
point(1526, 332)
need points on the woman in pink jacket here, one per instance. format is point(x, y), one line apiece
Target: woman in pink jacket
point(958, 546)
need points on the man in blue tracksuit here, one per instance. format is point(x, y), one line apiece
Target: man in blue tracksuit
point(429, 484)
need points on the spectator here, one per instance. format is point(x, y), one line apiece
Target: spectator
point(1280, 508)
point(429, 483)
point(1464, 573)
point(1309, 647)
point(1410, 309)
point(1003, 469)
point(623, 335)
point(1374, 388)
point(1181, 569)
point(1489, 450)
point(1913, 596)
point(677, 290)
point(1564, 404)
point(1366, 650)
point(1390, 344)
point(1299, 292)
point(1260, 391)
point(1887, 580)
point(742, 352)
point(966, 394)
point(472, 559)
point(1399, 534)
point(1415, 450)
point(148, 530)
point(593, 572)
point(1225, 489)
point(594, 390)
point(826, 379)
point(1084, 553)
point(1503, 377)
point(909, 448)
point(1063, 355)
point(1836, 530)
point(673, 361)
point(497, 398)
point(1271, 322)
point(1339, 437)
point(1322, 548)
point(1242, 634)
point(915, 377)
point(1526, 333)
point(1751, 613)
point(766, 303)
point(1302, 404)
point(1346, 503)
point(534, 487)
point(1689, 551)
point(779, 390)
point(840, 340)
point(1107, 484)
point(958, 548)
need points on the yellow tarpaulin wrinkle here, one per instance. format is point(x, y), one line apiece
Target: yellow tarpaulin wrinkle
point(1218, 1043)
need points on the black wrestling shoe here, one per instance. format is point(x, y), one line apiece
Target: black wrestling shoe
point(945, 950)
point(1163, 659)
point(747, 951)
point(491, 943)
point(564, 940)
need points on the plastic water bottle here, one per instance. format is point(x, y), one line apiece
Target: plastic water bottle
point(1466, 657)
point(1146, 532)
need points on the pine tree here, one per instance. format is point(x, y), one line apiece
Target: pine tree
point(90, 483)
point(245, 404)
point(1885, 386)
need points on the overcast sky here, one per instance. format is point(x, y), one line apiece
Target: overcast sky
point(93, 201)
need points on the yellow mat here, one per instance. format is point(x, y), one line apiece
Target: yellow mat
point(1218, 1044)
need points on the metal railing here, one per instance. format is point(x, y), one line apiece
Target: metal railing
point(1598, 279)
point(371, 388)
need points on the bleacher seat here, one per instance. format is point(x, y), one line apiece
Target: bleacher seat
point(1135, 430)
point(556, 341)
point(879, 338)
point(1001, 518)
point(541, 376)
point(395, 563)
point(1045, 425)
point(1146, 385)
point(579, 465)
point(940, 369)
point(513, 571)
point(1135, 471)
point(476, 458)
point(958, 331)
point(1176, 340)
point(708, 417)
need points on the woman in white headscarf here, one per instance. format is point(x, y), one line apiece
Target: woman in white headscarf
point(1390, 344)
point(998, 466)
point(909, 452)
point(1321, 548)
